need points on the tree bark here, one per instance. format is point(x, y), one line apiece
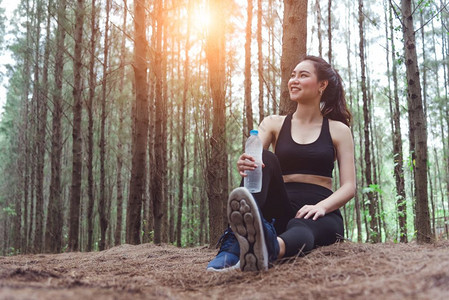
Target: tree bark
point(140, 136)
point(398, 156)
point(53, 234)
point(445, 108)
point(374, 230)
point(90, 129)
point(358, 218)
point(77, 145)
point(158, 172)
point(182, 150)
point(318, 22)
point(260, 59)
point(163, 121)
point(119, 221)
point(41, 139)
point(33, 120)
point(148, 218)
point(329, 30)
point(418, 122)
point(217, 160)
point(294, 46)
point(103, 203)
point(247, 82)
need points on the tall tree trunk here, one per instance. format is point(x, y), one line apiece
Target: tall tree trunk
point(103, 203)
point(53, 234)
point(362, 179)
point(424, 108)
point(217, 160)
point(260, 59)
point(374, 230)
point(41, 137)
point(272, 85)
point(247, 83)
point(163, 121)
point(294, 45)
point(445, 107)
point(21, 219)
point(90, 129)
point(148, 218)
point(160, 140)
point(171, 141)
point(34, 125)
point(318, 21)
point(122, 101)
point(77, 145)
point(418, 122)
point(398, 156)
point(351, 100)
point(441, 120)
point(329, 29)
point(140, 134)
point(182, 150)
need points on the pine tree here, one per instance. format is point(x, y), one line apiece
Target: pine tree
point(294, 42)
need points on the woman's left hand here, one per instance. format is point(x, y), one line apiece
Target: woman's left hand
point(308, 211)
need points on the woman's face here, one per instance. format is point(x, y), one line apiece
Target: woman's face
point(303, 83)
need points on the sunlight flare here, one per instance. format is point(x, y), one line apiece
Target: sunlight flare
point(201, 18)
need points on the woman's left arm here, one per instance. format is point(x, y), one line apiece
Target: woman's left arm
point(344, 146)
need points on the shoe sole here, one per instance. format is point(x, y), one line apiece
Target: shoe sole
point(227, 269)
point(246, 223)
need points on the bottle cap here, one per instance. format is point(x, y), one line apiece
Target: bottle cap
point(254, 132)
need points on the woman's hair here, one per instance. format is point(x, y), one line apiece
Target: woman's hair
point(333, 99)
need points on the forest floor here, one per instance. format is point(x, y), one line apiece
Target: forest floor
point(342, 271)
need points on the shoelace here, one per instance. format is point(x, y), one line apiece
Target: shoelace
point(226, 240)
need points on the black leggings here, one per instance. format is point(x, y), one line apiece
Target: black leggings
point(281, 201)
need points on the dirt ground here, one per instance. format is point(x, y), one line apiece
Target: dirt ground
point(342, 271)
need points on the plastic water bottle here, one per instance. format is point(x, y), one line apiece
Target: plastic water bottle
point(254, 147)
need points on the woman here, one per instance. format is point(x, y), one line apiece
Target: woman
point(297, 179)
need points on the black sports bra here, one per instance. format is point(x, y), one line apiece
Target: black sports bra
point(316, 158)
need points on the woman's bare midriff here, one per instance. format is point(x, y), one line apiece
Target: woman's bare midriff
point(308, 178)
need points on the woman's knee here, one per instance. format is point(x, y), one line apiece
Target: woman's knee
point(298, 238)
point(295, 222)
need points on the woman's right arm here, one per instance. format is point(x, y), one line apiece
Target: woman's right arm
point(266, 131)
point(266, 135)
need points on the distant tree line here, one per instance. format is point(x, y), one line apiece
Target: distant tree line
point(123, 119)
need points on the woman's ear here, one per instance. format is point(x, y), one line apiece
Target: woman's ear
point(323, 84)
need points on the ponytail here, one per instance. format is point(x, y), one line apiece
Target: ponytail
point(333, 99)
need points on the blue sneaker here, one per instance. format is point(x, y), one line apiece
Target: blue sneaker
point(228, 255)
point(257, 237)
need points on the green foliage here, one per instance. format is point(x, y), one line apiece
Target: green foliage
point(9, 211)
point(12, 251)
point(411, 163)
point(372, 188)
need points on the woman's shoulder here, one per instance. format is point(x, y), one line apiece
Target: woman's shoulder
point(338, 125)
point(339, 130)
point(272, 123)
point(274, 119)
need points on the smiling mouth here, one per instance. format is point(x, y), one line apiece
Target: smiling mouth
point(293, 89)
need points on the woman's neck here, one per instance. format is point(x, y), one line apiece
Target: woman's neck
point(307, 113)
